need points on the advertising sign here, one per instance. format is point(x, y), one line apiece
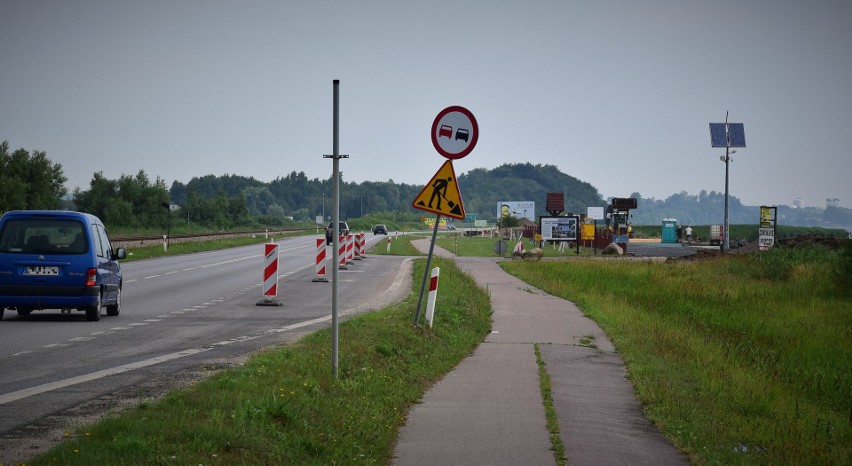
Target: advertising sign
point(559, 228)
point(766, 238)
point(518, 209)
point(595, 213)
point(765, 216)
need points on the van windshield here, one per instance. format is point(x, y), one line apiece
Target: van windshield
point(43, 235)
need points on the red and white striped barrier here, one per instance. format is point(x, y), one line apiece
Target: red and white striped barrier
point(341, 252)
point(320, 262)
point(357, 246)
point(433, 295)
point(363, 244)
point(350, 247)
point(270, 276)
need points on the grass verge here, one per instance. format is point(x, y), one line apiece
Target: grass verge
point(740, 359)
point(549, 410)
point(283, 406)
point(188, 247)
point(399, 246)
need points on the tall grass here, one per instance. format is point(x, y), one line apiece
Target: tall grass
point(284, 407)
point(740, 359)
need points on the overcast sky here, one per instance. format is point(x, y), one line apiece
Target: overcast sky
point(617, 93)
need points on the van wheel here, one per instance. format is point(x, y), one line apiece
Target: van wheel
point(93, 313)
point(115, 309)
point(24, 311)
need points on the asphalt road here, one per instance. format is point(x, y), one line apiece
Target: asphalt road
point(178, 314)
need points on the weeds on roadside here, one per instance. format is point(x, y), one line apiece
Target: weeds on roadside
point(740, 360)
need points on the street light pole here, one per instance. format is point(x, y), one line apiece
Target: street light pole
point(726, 245)
point(335, 207)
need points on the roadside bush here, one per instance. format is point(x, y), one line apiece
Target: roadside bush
point(779, 263)
point(844, 269)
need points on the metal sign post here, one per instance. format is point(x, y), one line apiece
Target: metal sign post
point(426, 270)
point(335, 207)
point(454, 135)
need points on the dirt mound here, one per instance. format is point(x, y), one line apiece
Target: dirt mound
point(807, 240)
point(743, 247)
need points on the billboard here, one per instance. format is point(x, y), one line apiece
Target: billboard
point(559, 228)
point(518, 209)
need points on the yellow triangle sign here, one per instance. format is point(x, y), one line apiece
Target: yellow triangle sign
point(441, 194)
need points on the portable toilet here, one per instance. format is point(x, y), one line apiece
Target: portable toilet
point(669, 230)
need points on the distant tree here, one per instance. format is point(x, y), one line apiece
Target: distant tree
point(29, 181)
point(508, 221)
point(128, 201)
point(275, 210)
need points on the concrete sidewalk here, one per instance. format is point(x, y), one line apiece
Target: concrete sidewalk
point(489, 410)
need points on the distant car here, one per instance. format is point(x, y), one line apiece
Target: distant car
point(451, 227)
point(380, 229)
point(342, 227)
point(58, 260)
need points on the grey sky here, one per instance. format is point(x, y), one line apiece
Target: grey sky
point(618, 93)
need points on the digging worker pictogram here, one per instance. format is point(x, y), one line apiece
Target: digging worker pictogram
point(439, 191)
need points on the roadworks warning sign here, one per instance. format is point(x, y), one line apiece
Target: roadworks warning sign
point(441, 195)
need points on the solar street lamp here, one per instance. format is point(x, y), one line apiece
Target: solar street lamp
point(727, 135)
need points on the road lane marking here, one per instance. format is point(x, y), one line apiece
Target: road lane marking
point(47, 387)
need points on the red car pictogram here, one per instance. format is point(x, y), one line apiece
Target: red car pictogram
point(445, 131)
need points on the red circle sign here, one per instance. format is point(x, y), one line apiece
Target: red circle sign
point(454, 132)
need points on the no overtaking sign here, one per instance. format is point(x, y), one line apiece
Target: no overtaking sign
point(454, 132)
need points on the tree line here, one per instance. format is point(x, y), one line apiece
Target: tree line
point(32, 181)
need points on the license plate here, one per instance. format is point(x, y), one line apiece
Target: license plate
point(41, 270)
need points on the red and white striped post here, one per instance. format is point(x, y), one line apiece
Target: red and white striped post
point(363, 245)
point(320, 262)
point(350, 245)
point(270, 276)
point(433, 295)
point(341, 252)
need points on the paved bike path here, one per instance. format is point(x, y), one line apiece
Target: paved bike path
point(488, 410)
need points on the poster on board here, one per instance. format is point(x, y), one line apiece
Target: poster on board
point(559, 228)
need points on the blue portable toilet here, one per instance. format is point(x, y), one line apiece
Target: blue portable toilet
point(669, 230)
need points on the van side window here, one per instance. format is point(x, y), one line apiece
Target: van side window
point(96, 242)
point(105, 246)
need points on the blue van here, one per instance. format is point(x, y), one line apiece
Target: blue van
point(58, 260)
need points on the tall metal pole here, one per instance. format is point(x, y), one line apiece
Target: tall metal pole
point(726, 245)
point(335, 229)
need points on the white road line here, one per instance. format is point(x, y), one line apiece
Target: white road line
point(27, 392)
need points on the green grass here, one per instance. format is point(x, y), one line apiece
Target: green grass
point(283, 406)
point(400, 246)
point(187, 247)
point(549, 409)
point(740, 359)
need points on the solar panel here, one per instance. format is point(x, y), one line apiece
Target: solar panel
point(718, 138)
point(737, 134)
